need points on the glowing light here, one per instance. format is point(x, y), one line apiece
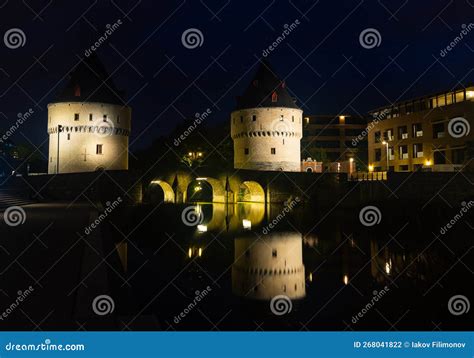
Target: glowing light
point(190, 154)
point(202, 228)
point(351, 160)
point(197, 188)
point(200, 252)
point(199, 154)
point(388, 267)
point(310, 277)
point(469, 94)
point(384, 143)
point(155, 181)
point(371, 168)
point(428, 162)
point(190, 252)
point(201, 178)
point(247, 224)
point(345, 279)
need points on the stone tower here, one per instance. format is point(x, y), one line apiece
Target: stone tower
point(269, 266)
point(88, 123)
point(266, 125)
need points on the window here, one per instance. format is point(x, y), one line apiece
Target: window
point(69, 136)
point(90, 117)
point(274, 253)
point(458, 156)
point(418, 150)
point(403, 152)
point(274, 97)
point(292, 118)
point(254, 118)
point(391, 153)
point(76, 116)
point(403, 168)
point(417, 130)
point(459, 96)
point(377, 137)
point(105, 118)
point(98, 149)
point(438, 130)
point(388, 134)
point(246, 151)
point(441, 100)
point(118, 119)
point(402, 132)
point(273, 150)
point(378, 155)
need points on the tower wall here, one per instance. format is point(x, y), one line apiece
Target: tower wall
point(80, 137)
point(274, 127)
point(269, 266)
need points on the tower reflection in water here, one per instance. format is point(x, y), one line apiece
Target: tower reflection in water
point(267, 266)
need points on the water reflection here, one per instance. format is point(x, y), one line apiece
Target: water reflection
point(267, 266)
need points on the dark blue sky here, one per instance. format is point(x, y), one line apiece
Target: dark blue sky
point(324, 64)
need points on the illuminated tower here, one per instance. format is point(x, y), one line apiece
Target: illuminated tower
point(269, 266)
point(266, 125)
point(88, 123)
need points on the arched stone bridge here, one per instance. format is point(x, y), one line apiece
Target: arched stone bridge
point(240, 186)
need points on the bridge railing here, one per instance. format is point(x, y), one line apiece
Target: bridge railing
point(370, 176)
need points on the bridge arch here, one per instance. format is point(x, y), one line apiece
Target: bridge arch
point(206, 190)
point(251, 191)
point(159, 190)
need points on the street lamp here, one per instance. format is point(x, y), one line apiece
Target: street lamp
point(386, 145)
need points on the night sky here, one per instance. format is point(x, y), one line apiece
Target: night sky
point(322, 61)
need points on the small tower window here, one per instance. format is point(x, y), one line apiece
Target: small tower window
point(274, 253)
point(254, 118)
point(98, 149)
point(292, 118)
point(90, 117)
point(105, 118)
point(281, 117)
point(273, 150)
point(77, 91)
point(69, 136)
point(76, 116)
point(274, 97)
point(118, 119)
point(246, 151)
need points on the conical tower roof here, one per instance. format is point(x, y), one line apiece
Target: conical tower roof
point(265, 90)
point(90, 82)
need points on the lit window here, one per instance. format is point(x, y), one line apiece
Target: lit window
point(274, 97)
point(273, 150)
point(76, 116)
point(98, 149)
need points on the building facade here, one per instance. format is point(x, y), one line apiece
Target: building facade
point(266, 126)
point(331, 138)
point(430, 133)
point(88, 123)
